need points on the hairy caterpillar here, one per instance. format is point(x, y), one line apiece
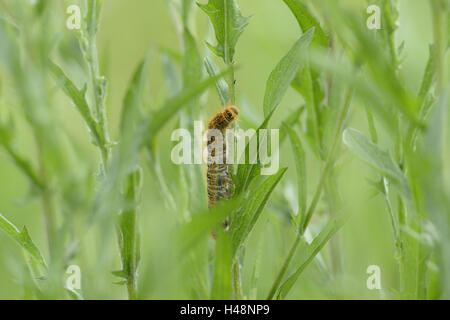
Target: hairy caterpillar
point(218, 176)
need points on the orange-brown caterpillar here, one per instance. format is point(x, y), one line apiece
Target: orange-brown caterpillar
point(218, 176)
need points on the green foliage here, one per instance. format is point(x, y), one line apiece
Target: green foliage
point(276, 87)
point(281, 77)
point(309, 252)
point(307, 81)
point(167, 243)
point(221, 286)
point(160, 117)
point(79, 99)
point(379, 159)
point(221, 85)
point(300, 165)
point(192, 73)
point(306, 21)
point(24, 240)
point(202, 223)
point(253, 203)
point(228, 25)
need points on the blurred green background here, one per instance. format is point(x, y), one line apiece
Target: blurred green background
point(128, 31)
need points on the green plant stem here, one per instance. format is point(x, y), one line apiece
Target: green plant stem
point(402, 261)
point(155, 166)
point(97, 84)
point(229, 62)
point(237, 281)
point(284, 267)
point(231, 80)
point(98, 102)
point(232, 84)
point(336, 241)
point(48, 208)
point(439, 35)
point(328, 165)
point(131, 288)
point(329, 161)
point(128, 237)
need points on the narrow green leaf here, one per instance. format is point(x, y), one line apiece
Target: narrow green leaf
point(125, 158)
point(221, 84)
point(306, 21)
point(120, 274)
point(380, 160)
point(307, 82)
point(173, 105)
point(221, 283)
point(279, 81)
point(129, 236)
point(78, 97)
point(429, 75)
point(429, 170)
point(74, 294)
point(309, 252)
point(20, 161)
point(255, 273)
point(192, 71)
point(247, 171)
point(192, 64)
point(253, 204)
point(300, 163)
point(187, 6)
point(281, 77)
point(23, 239)
point(171, 76)
point(291, 120)
point(228, 24)
point(9, 50)
point(204, 223)
point(304, 84)
point(371, 123)
point(133, 101)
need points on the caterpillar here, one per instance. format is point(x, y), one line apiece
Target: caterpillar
point(219, 182)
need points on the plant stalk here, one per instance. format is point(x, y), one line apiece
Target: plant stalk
point(237, 281)
point(439, 35)
point(284, 267)
point(98, 84)
point(229, 62)
point(329, 163)
point(48, 208)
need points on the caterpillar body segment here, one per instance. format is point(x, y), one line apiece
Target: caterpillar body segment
point(219, 182)
point(223, 119)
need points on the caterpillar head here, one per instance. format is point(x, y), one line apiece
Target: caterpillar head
point(231, 113)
